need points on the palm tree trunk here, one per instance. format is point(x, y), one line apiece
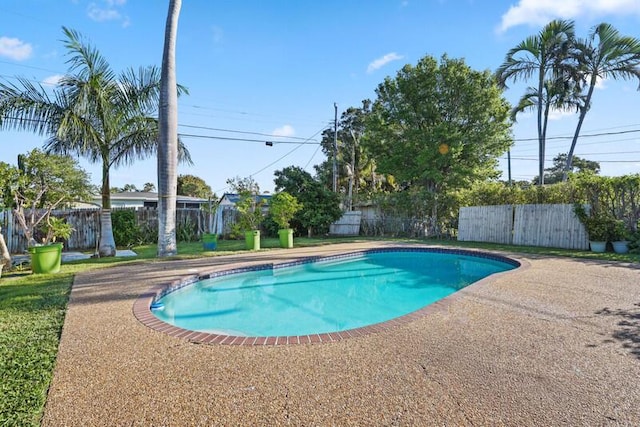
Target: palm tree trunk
point(583, 112)
point(107, 246)
point(5, 260)
point(168, 143)
point(541, 132)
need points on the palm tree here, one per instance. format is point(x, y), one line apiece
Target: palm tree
point(168, 144)
point(92, 113)
point(613, 56)
point(542, 56)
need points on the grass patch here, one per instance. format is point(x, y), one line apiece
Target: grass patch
point(32, 309)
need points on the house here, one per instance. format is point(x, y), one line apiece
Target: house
point(148, 199)
point(230, 199)
point(226, 213)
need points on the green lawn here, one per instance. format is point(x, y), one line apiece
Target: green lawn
point(32, 309)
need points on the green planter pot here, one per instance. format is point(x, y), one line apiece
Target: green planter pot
point(286, 237)
point(598, 246)
point(252, 240)
point(46, 259)
point(209, 241)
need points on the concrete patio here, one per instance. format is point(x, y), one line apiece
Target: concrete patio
point(556, 342)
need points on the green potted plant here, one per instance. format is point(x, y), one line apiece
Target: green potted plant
point(47, 257)
point(599, 227)
point(620, 237)
point(40, 184)
point(250, 217)
point(282, 207)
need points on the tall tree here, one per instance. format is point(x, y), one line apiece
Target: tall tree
point(556, 172)
point(193, 186)
point(438, 125)
point(359, 168)
point(168, 144)
point(320, 206)
point(149, 187)
point(604, 55)
point(92, 113)
point(542, 56)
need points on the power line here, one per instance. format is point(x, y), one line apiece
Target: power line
point(291, 151)
point(243, 132)
point(599, 161)
point(305, 141)
point(581, 136)
point(229, 138)
point(280, 158)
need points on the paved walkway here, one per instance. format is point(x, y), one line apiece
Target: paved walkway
point(556, 342)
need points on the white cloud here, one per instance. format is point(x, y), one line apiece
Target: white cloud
point(15, 48)
point(52, 80)
point(382, 61)
point(100, 14)
point(286, 130)
point(108, 12)
point(561, 114)
point(540, 12)
point(601, 83)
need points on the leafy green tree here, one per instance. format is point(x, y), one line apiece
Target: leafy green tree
point(38, 185)
point(93, 113)
point(193, 186)
point(321, 206)
point(604, 55)
point(149, 187)
point(129, 188)
point(239, 185)
point(556, 172)
point(438, 126)
point(282, 208)
point(250, 204)
point(543, 57)
point(357, 168)
point(168, 143)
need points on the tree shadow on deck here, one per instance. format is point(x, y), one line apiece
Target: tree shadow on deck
point(628, 331)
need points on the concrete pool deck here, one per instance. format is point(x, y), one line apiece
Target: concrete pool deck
point(556, 342)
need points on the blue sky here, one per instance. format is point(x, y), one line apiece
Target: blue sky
point(277, 67)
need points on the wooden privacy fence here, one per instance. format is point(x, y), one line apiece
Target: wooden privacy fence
point(86, 226)
point(347, 225)
point(554, 226)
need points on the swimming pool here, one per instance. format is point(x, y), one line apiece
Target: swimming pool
point(325, 295)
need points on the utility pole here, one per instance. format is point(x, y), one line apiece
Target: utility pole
point(335, 148)
point(509, 165)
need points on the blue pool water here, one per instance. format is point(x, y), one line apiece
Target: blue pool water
point(323, 296)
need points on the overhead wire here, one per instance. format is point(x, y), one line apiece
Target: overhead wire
point(280, 158)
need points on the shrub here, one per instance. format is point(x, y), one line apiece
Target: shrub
point(126, 232)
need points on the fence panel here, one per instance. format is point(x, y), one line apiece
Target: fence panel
point(553, 226)
point(347, 225)
point(486, 224)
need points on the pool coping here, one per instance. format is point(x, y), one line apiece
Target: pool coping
point(143, 305)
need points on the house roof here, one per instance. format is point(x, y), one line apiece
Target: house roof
point(149, 196)
point(235, 198)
